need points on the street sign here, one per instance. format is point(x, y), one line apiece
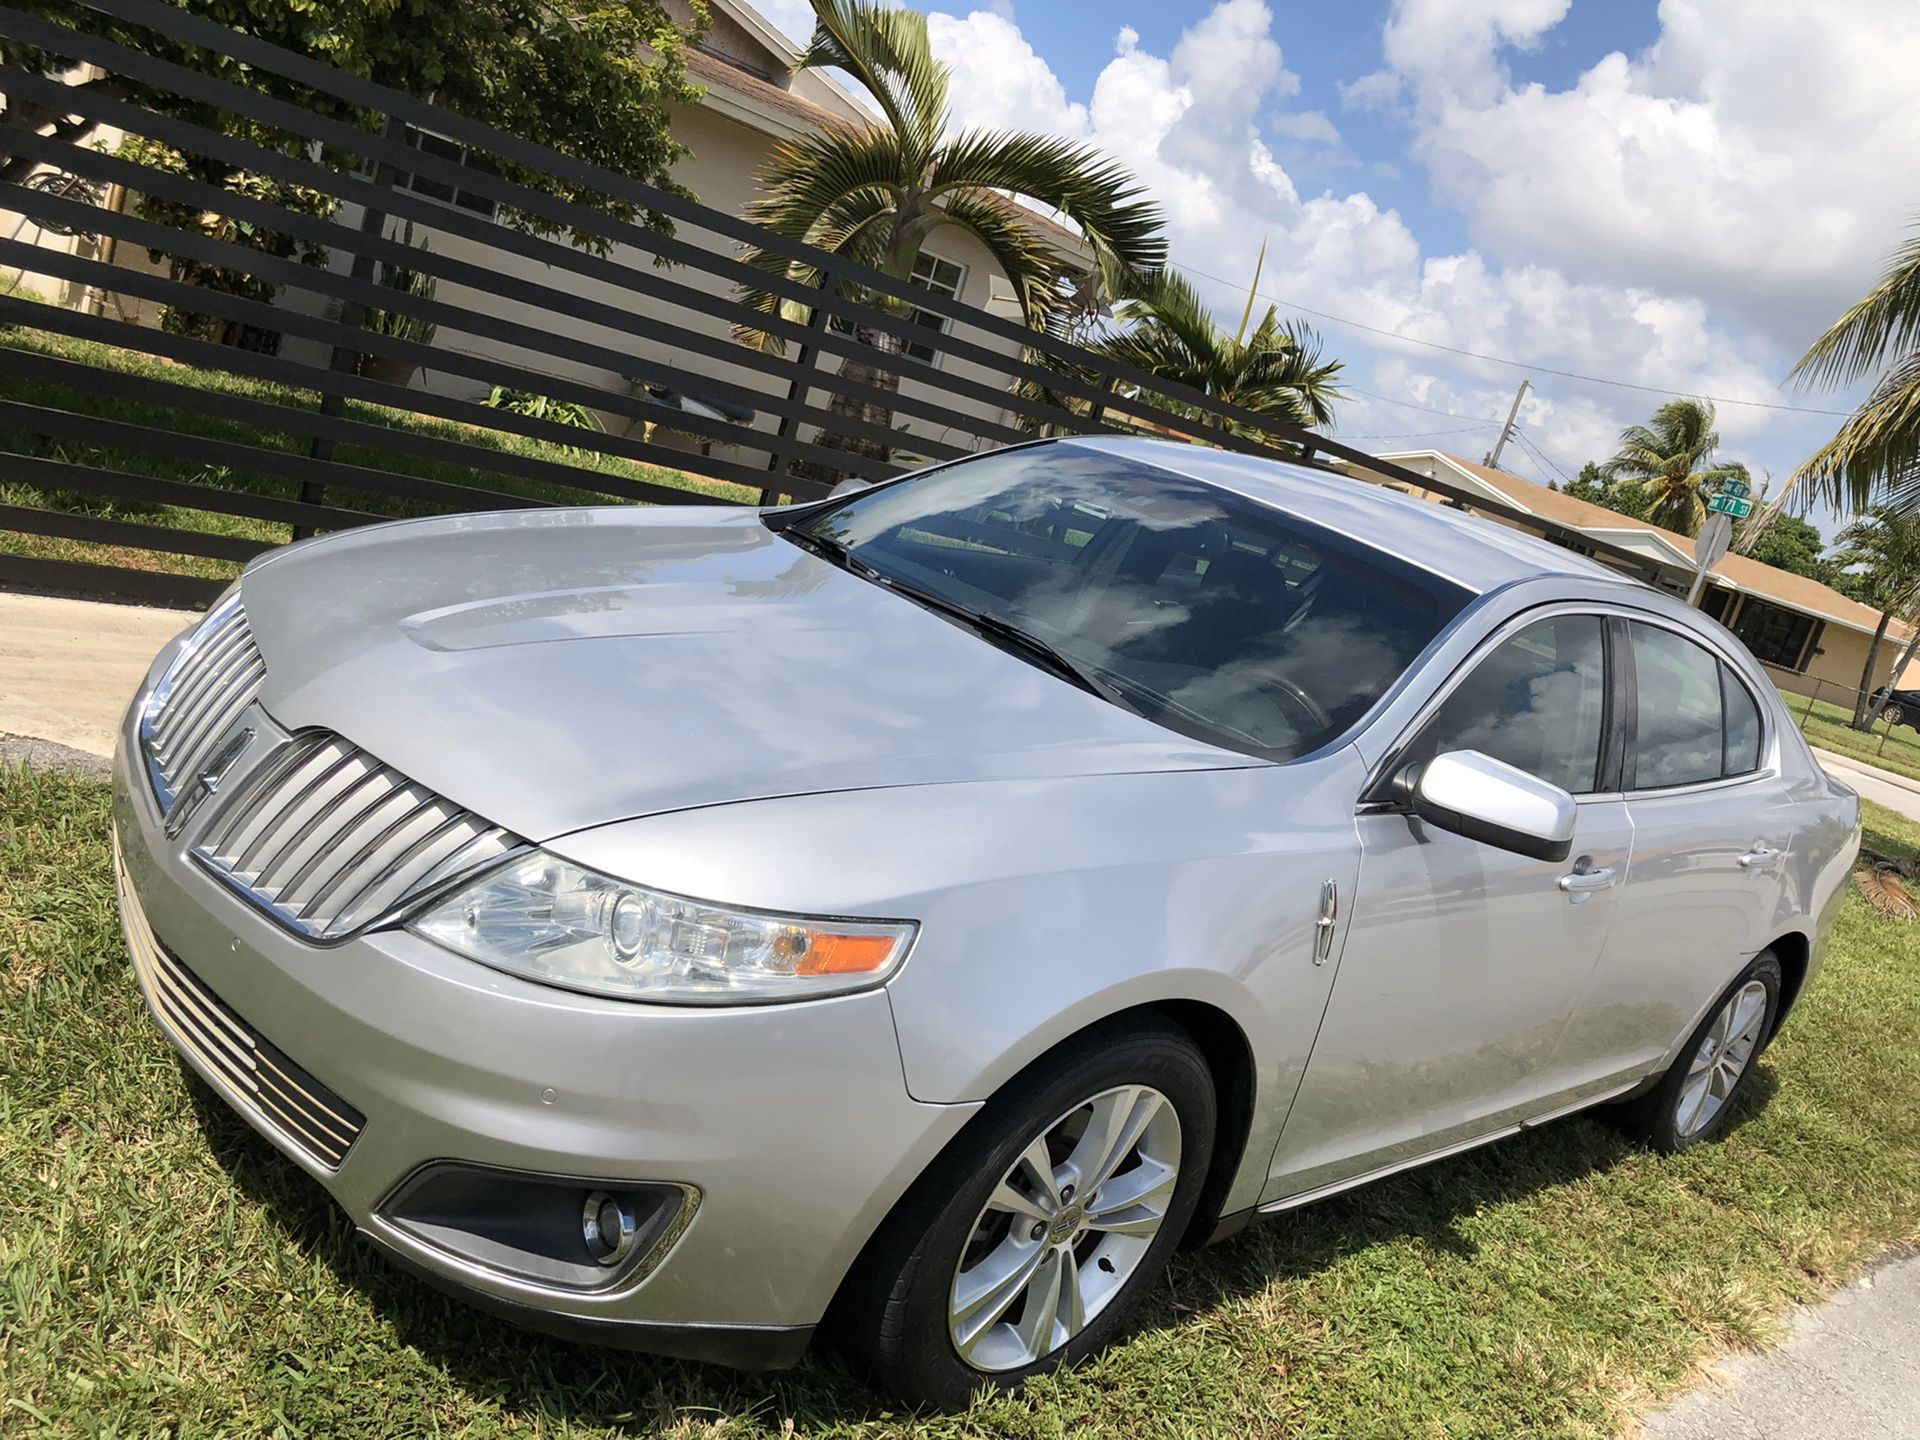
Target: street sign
point(1730, 505)
point(1712, 541)
point(1738, 489)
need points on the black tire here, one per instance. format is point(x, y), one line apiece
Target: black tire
point(1655, 1118)
point(892, 1313)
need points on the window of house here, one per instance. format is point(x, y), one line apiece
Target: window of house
point(1775, 635)
point(435, 189)
point(943, 277)
point(1536, 702)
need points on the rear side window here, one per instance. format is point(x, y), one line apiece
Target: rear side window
point(1537, 702)
point(1694, 721)
point(1743, 725)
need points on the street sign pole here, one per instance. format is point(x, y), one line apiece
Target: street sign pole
point(1709, 545)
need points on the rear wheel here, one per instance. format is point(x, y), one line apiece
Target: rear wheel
point(1694, 1100)
point(1024, 1245)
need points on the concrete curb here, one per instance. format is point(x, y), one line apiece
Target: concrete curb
point(1844, 761)
point(38, 754)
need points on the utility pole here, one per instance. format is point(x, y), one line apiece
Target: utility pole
point(1492, 462)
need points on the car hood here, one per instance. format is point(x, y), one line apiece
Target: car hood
point(557, 669)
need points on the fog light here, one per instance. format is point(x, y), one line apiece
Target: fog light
point(608, 1226)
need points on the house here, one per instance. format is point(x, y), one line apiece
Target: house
point(753, 100)
point(1812, 639)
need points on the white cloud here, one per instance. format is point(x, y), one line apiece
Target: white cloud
point(1677, 220)
point(1312, 126)
point(792, 18)
point(1753, 157)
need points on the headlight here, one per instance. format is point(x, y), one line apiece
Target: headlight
point(552, 921)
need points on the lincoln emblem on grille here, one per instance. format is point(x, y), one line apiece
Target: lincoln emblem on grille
point(207, 781)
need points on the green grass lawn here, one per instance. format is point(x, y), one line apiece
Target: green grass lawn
point(144, 462)
point(163, 1271)
point(1891, 747)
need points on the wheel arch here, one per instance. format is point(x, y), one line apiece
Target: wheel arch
point(1794, 951)
point(1228, 1053)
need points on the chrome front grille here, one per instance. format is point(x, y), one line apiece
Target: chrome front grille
point(279, 1094)
point(209, 683)
point(326, 839)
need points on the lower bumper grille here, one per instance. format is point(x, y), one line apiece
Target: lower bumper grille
point(282, 1096)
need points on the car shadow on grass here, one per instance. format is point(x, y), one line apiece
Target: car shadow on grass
point(521, 1370)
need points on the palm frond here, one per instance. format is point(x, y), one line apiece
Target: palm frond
point(1030, 265)
point(886, 49)
point(1886, 320)
point(806, 176)
point(1094, 191)
point(856, 226)
point(1877, 449)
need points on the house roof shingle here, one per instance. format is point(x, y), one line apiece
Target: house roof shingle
point(1753, 576)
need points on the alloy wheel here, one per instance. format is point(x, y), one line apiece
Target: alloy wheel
point(1724, 1054)
point(1065, 1228)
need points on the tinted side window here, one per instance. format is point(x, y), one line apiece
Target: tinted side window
point(1678, 735)
point(1743, 725)
point(1536, 702)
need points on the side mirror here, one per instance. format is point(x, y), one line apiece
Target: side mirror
point(851, 485)
point(1467, 793)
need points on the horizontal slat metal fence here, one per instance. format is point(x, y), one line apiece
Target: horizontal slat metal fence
point(269, 446)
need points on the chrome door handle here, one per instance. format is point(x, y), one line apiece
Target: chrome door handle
point(1582, 882)
point(1760, 859)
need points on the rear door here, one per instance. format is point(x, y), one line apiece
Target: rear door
point(1463, 963)
point(1712, 822)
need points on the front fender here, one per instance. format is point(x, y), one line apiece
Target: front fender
point(1046, 906)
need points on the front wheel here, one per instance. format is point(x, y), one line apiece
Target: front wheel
point(1694, 1100)
point(1025, 1244)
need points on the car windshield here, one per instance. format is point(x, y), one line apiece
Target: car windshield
point(1214, 615)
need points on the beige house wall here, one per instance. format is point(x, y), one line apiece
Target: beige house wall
point(721, 171)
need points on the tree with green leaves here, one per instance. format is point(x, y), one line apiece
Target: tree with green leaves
point(1876, 453)
point(1670, 462)
point(593, 79)
point(1590, 485)
point(1166, 330)
point(1793, 544)
point(878, 192)
point(1882, 550)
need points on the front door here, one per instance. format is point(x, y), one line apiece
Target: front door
point(1463, 963)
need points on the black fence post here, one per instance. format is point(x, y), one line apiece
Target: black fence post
point(1097, 411)
point(346, 360)
point(805, 361)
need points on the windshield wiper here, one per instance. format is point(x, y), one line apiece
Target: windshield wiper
point(831, 550)
point(982, 622)
point(1011, 636)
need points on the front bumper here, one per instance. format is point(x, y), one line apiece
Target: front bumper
point(789, 1127)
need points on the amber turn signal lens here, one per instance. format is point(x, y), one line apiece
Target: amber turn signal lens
point(830, 954)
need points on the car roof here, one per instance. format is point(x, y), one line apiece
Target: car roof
point(1475, 553)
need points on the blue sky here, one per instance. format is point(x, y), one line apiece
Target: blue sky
point(1676, 196)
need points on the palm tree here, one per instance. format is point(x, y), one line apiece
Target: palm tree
point(1884, 546)
point(1877, 452)
point(1277, 370)
point(875, 193)
point(1670, 463)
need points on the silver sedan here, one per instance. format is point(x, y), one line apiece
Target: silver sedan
point(943, 901)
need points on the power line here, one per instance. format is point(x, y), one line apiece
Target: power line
point(1417, 434)
point(1409, 405)
point(1527, 441)
point(1523, 364)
